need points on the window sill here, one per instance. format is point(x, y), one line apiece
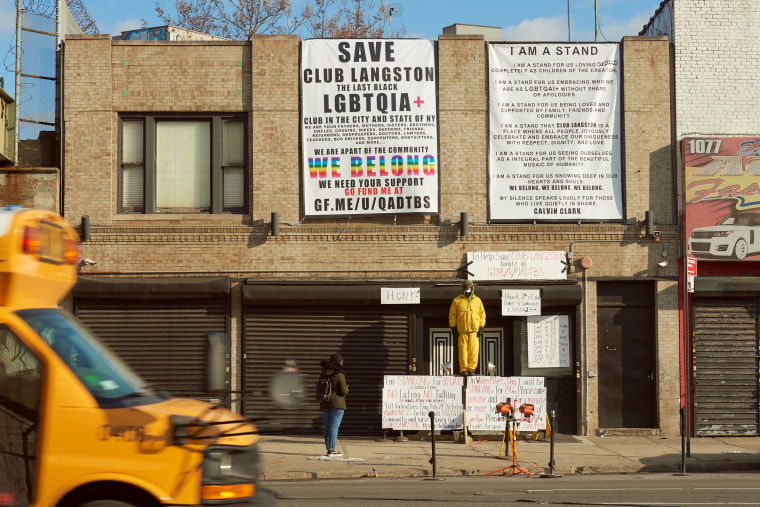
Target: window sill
point(182, 218)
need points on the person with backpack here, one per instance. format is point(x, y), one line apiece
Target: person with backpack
point(331, 395)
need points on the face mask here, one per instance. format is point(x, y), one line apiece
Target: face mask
point(467, 292)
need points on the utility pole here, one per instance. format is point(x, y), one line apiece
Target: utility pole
point(391, 10)
point(596, 23)
point(16, 83)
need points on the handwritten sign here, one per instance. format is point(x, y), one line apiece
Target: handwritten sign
point(548, 341)
point(520, 302)
point(484, 393)
point(399, 296)
point(520, 265)
point(409, 399)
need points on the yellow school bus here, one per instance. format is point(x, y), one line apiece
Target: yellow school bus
point(77, 426)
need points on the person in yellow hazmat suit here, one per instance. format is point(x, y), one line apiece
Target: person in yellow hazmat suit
point(467, 318)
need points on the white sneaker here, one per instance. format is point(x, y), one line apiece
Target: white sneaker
point(334, 454)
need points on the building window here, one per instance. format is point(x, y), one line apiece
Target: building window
point(233, 164)
point(20, 377)
point(133, 166)
point(171, 164)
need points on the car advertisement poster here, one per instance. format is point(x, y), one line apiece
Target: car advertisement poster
point(369, 126)
point(722, 197)
point(555, 132)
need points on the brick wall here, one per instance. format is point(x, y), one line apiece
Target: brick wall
point(716, 88)
point(88, 125)
point(647, 111)
point(463, 125)
point(30, 188)
point(276, 127)
point(104, 77)
point(668, 357)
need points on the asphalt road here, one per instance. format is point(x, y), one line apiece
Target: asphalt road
point(704, 489)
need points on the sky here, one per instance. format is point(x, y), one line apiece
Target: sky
point(519, 20)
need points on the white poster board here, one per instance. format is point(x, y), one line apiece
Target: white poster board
point(369, 125)
point(409, 399)
point(520, 302)
point(555, 149)
point(484, 393)
point(548, 341)
point(400, 295)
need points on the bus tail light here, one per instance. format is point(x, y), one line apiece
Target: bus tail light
point(31, 242)
point(71, 253)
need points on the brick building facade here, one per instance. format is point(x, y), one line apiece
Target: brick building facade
point(161, 280)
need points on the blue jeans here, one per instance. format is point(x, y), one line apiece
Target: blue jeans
point(332, 418)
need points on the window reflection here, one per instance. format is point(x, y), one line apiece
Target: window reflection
point(20, 376)
point(107, 378)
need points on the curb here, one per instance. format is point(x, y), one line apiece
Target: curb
point(365, 472)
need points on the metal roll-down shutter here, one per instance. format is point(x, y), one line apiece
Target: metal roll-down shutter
point(162, 340)
point(725, 355)
point(373, 343)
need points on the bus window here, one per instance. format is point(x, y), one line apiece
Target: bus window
point(20, 387)
point(108, 379)
point(15, 357)
point(20, 379)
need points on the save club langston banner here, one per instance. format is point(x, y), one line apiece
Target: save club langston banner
point(369, 125)
point(554, 132)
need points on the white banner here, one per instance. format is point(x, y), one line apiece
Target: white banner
point(555, 132)
point(519, 265)
point(369, 125)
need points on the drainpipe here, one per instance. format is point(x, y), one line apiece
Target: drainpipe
point(584, 359)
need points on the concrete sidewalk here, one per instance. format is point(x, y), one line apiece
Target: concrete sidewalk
point(298, 458)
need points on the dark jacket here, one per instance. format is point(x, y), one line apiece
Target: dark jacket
point(339, 385)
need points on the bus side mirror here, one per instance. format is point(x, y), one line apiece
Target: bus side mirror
point(217, 363)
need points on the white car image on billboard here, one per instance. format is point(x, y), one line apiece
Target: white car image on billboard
point(737, 236)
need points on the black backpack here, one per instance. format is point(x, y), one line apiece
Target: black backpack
point(325, 392)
